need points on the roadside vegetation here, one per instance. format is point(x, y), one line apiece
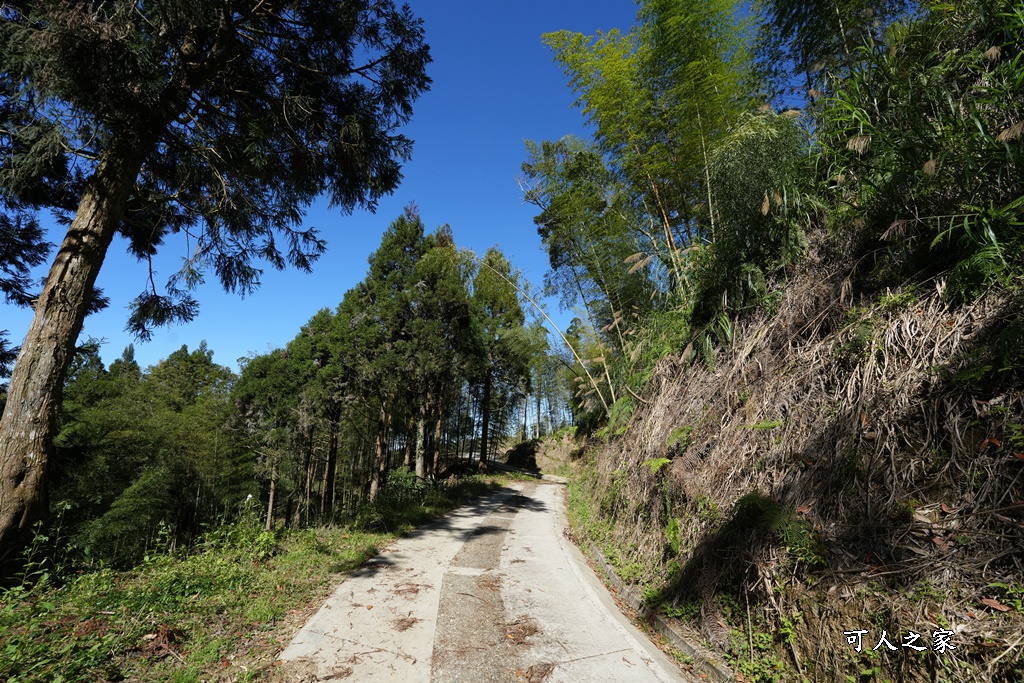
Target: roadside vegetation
point(794, 243)
point(221, 609)
point(796, 234)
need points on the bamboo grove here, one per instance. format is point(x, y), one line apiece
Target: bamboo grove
point(723, 134)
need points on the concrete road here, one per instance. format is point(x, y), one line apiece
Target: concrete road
point(493, 592)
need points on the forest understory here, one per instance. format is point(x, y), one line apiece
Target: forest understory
point(850, 462)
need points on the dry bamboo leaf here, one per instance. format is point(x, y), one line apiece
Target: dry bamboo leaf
point(846, 290)
point(765, 205)
point(896, 230)
point(633, 258)
point(1011, 133)
point(640, 264)
point(930, 167)
point(765, 108)
point(792, 113)
point(859, 143)
point(995, 604)
point(989, 441)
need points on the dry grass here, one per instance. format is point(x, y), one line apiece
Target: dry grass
point(879, 431)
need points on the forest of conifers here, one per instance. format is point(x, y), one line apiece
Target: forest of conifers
point(426, 365)
point(739, 152)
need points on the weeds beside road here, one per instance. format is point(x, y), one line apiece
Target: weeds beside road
point(219, 611)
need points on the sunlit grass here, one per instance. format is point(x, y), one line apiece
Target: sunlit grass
point(222, 610)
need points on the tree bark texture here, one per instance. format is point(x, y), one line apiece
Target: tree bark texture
point(36, 387)
point(379, 469)
point(271, 496)
point(421, 464)
point(485, 417)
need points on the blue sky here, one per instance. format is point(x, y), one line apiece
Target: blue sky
point(495, 85)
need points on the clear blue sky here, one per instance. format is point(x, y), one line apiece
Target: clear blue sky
point(495, 85)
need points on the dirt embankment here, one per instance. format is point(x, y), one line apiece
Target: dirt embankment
point(852, 462)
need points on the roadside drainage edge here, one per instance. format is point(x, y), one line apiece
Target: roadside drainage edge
point(704, 664)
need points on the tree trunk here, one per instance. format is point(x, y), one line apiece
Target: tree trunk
point(435, 453)
point(327, 494)
point(410, 443)
point(538, 414)
point(379, 469)
point(273, 493)
point(485, 417)
point(35, 391)
point(309, 477)
point(421, 464)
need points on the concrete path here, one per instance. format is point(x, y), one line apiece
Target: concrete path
point(493, 592)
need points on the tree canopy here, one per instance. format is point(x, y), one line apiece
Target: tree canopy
point(217, 121)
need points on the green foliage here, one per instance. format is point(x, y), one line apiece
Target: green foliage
point(655, 464)
point(673, 537)
point(893, 301)
point(1011, 595)
point(618, 417)
point(707, 509)
point(764, 425)
point(757, 513)
point(761, 174)
point(140, 452)
point(234, 584)
point(587, 226)
point(167, 91)
point(688, 611)
point(919, 141)
point(679, 438)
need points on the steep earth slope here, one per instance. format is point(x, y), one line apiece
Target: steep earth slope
point(848, 467)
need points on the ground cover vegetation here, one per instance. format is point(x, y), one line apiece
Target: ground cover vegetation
point(794, 237)
point(219, 609)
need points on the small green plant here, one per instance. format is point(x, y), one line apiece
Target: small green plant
point(656, 464)
point(765, 425)
point(1013, 596)
point(901, 299)
point(688, 611)
point(925, 590)
point(673, 537)
point(707, 509)
point(680, 438)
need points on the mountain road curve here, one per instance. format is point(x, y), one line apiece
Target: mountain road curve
point(491, 592)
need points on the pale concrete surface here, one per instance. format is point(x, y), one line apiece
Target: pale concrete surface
point(379, 624)
point(492, 593)
point(581, 631)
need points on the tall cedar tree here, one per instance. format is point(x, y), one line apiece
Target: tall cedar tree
point(446, 341)
point(504, 363)
point(219, 119)
point(382, 350)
